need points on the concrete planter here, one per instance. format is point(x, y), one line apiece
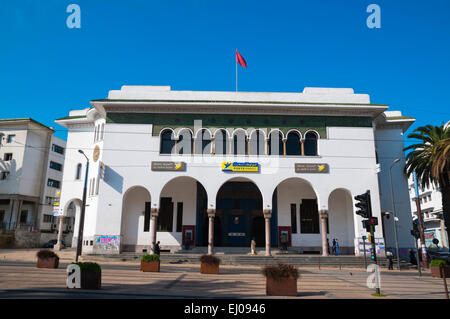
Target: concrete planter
point(436, 272)
point(47, 262)
point(91, 280)
point(281, 287)
point(209, 269)
point(150, 266)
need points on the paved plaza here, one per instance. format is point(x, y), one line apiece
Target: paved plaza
point(19, 278)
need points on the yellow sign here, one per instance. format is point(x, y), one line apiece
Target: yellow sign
point(240, 167)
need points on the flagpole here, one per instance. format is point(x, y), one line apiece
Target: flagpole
point(236, 74)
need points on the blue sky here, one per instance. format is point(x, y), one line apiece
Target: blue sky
point(47, 69)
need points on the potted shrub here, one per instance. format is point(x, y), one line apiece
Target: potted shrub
point(91, 275)
point(209, 264)
point(150, 262)
point(436, 265)
point(47, 259)
point(281, 280)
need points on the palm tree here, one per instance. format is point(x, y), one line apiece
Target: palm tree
point(431, 161)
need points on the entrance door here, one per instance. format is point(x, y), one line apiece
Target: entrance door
point(236, 230)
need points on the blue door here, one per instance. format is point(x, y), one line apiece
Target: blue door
point(236, 234)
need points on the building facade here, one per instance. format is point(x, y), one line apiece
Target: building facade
point(31, 171)
point(431, 207)
point(223, 168)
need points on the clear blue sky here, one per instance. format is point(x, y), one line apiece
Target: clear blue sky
point(47, 69)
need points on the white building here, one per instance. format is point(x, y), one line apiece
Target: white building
point(159, 169)
point(431, 207)
point(31, 169)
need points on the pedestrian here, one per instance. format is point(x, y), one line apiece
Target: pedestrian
point(333, 248)
point(337, 247)
point(328, 246)
point(284, 241)
point(390, 257)
point(412, 258)
point(253, 246)
point(157, 249)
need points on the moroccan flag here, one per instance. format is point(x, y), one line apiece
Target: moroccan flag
point(240, 59)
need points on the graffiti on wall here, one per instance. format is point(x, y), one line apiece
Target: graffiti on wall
point(107, 242)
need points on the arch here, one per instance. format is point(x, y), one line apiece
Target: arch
point(221, 141)
point(293, 146)
point(167, 141)
point(179, 130)
point(341, 219)
point(72, 209)
point(310, 143)
point(135, 218)
point(275, 145)
point(257, 142)
point(185, 141)
point(240, 146)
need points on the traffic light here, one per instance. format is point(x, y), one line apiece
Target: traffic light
point(364, 205)
point(415, 231)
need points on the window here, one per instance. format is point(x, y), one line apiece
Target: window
point(167, 142)
point(309, 217)
point(221, 142)
point(179, 217)
point(293, 144)
point(185, 142)
point(78, 172)
point(53, 183)
point(48, 219)
point(55, 166)
point(165, 216)
point(3, 175)
point(49, 200)
point(58, 149)
point(2, 216)
point(7, 157)
point(147, 217)
point(310, 144)
point(23, 217)
point(203, 143)
point(275, 144)
point(10, 138)
point(294, 218)
point(102, 131)
point(257, 143)
point(239, 143)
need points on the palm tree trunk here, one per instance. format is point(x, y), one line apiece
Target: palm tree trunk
point(444, 184)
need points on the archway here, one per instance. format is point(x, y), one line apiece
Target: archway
point(239, 211)
point(72, 211)
point(135, 223)
point(341, 220)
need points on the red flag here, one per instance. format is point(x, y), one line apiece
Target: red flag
point(240, 59)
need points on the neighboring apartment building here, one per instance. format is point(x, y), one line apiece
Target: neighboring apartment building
point(31, 170)
point(221, 168)
point(432, 213)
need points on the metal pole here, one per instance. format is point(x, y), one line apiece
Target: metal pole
point(236, 75)
point(393, 213)
point(364, 247)
point(83, 209)
point(418, 261)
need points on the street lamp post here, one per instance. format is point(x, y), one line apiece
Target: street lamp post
point(83, 209)
point(393, 213)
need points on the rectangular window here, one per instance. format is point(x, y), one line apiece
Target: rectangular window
point(48, 219)
point(309, 217)
point(3, 175)
point(58, 149)
point(179, 217)
point(10, 138)
point(165, 216)
point(55, 166)
point(294, 218)
point(7, 157)
point(147, 217)
point(2, 216)
point(53, 183)
point(23, 217)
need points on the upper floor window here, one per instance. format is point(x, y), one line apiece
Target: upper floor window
point(167, 142)
point(184, 143)
point(10, 138)
point(53, 183)
point(240, 143)
point(275, 143)
point(293, 144)
point(203, 142)
point(257, 143)
point(78, 171)
point(221, 142)
point(310, 144)
point(58, 149)
point(55, 166)
point(7, 157)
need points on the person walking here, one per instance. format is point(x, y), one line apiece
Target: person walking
point(337, 247)
point(157, 249)
point(333, 248)
point(390, 256)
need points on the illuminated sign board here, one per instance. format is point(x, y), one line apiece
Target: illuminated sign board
point(240, 167)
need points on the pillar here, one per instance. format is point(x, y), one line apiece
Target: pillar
point(284, 146)
point(153, 224)
point(267, 216)
point(58, 245)
point(323, 230)
point(302, 147)
point(211, 215)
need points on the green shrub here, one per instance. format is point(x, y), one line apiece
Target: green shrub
point(89, 267)
point(438, 263)
point(46, 254)
point(210, 260)
point(280, 271)
point(150, 257)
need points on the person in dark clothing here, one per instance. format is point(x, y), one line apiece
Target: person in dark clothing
point(390, 256)
point(157, 249)
point(412, 258)
point(333, 249)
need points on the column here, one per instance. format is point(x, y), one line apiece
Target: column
point(213, 145)
point(153, 224)
point(58, 245)
point(302, 147)
point(323, 230)
point(211, 215)
point(284, 146)
point(193, 145)
point(267, 216)
point(35, 220)
point(266, 146)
